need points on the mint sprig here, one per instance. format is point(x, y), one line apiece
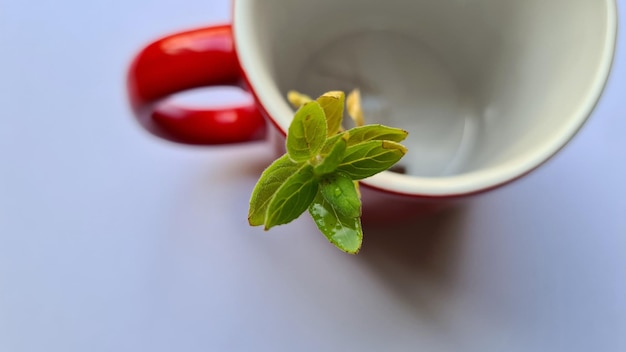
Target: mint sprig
point(320, 170)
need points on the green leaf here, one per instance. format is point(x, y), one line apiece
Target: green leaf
point(369, 158)
point(331, 160)
point(292, 198)
point(367, 133)
point(331, 141)
point(321, 169)
point(307, 132)
point(375, 133)
point(333, 104)
point(271, 179)
point(342, 231)
point(340, 191)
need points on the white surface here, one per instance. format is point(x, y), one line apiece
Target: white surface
point(111, 240)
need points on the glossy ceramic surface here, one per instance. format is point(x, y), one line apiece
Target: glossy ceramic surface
point(180, 62)
point(488, 91)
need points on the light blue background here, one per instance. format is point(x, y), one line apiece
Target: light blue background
point(112, 240)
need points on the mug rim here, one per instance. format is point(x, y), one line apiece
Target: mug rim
point(272, 104)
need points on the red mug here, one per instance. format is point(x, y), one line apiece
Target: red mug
point(488, 91)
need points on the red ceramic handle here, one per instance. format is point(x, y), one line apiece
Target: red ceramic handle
point(198, 58)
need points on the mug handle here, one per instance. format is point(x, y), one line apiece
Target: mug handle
point(197, 58)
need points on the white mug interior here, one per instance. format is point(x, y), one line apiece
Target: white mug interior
point(488, 89)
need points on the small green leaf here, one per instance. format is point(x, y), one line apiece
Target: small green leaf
point(292, 198)
point(369, 158)
point(331, 141)
point(342, 231)
point(340, 191)
point(375, 133)
point(333, 105)
point(367, 133)
point(307, 132)
point(271, 179)
point(331, 160)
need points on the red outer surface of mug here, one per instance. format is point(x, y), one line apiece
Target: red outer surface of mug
point(197, 58)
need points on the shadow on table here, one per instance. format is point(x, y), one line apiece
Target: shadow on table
point(418, 259)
